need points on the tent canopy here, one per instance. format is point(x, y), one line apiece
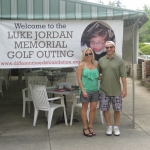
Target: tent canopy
point(79, 10)
point(67, 10)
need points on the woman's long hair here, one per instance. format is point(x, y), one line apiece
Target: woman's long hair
point(84, 52)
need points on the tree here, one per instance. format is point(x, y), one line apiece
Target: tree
point(118, 3)
point(145, 49)
point(147, 9)
point(144, 35)
point(111, 3)
point(100, 1)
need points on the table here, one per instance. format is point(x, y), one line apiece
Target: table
point(64, 93)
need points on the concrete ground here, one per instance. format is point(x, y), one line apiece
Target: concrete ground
point(17, 133)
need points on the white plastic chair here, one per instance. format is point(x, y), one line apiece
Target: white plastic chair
point(34, 80)
point(99, 112)
point(26, 74)
point(79, 104)
point(41, 102)
point(72, 78)
point(5, 74)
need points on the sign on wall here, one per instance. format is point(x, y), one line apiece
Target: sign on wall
point(53, 43)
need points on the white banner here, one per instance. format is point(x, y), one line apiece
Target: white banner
point(51, 43)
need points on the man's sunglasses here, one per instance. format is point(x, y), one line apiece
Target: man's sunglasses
point(88, 54)
point(109, 47)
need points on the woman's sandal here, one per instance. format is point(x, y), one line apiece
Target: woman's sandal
point(93, 133)
point(87, 134)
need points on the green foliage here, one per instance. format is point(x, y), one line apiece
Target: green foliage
point(144, 35)
point(147, 9)
point(142, 45)
point(111, 3)
point(100, 1)
point(118, 3)
point(145, 49)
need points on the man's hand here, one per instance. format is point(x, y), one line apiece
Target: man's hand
point(124, 93)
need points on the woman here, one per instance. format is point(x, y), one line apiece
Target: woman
point(87, 75)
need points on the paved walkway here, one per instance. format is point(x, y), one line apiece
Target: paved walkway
point(17, 133)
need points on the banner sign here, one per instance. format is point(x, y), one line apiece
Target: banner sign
point(52, 43)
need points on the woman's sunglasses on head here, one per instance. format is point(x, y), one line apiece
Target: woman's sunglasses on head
point(88, 54)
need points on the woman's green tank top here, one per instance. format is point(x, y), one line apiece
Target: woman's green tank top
point(90, 79)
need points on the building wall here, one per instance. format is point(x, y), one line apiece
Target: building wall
point(145, 69)
point(142, 72)
point(138, 71)
point(146, 74)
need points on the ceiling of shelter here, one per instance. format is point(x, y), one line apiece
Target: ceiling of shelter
point(67, 10)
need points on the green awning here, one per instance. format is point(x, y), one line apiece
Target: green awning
point(66, 10)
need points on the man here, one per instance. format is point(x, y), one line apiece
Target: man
point(112, 68)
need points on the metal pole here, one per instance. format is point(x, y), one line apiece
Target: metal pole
point(133, 87)
point(10, 82)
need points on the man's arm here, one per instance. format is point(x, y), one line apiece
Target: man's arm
point(124, 84)
point(100, 75)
